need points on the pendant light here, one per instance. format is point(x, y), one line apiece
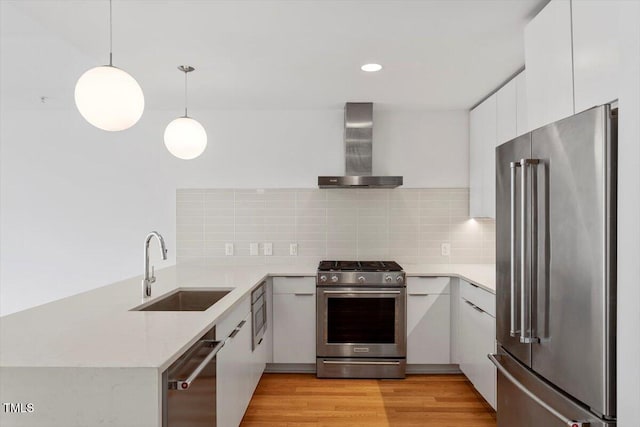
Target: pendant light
point(185, 137)
point(108, 97)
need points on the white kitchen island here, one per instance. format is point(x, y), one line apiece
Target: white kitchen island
point(89, 360)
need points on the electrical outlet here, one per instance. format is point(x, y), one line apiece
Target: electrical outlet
point(293, 249)
point(268, 249)
point(445, 249)
point(253, 249)
point(228, 248)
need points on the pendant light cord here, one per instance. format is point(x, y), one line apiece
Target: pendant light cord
point(186, 99)
point(110, 35)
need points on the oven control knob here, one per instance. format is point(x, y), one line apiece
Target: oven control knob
point(361, 279)
point(388, 279)
point(323, 278)
point(334, 279)
point(399, 279)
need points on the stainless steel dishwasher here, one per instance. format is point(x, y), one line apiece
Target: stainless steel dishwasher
point(189, 385)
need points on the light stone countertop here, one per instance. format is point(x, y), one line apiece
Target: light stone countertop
point(97, 329)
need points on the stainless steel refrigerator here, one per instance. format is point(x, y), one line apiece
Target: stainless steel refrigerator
point(556, 274)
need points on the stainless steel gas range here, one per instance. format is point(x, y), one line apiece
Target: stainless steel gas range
point(361, 320)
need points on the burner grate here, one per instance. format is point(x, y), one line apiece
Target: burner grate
point(359, 266)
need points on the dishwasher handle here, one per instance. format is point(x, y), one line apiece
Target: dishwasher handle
point(185, 384)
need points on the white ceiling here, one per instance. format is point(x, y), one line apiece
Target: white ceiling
point(263, 54)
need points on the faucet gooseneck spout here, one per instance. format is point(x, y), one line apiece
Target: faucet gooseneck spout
point(150, 278)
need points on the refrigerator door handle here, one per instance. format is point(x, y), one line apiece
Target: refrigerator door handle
point(512, 328)
point(525, 330)
point(532, 396)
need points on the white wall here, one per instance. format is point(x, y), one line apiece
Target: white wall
point(430, 149)
point(628, 219)
point(76, 202)
point(75, 205)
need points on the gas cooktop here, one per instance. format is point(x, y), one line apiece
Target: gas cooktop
point(359, 266)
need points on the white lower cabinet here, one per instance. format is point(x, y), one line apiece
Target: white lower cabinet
point(238, 366)
point(234, 376)
point(428, 320)
point(294, 320)
point(476, 339)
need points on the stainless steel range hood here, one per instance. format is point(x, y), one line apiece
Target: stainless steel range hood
point(358, 138)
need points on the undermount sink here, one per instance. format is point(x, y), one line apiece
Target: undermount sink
point(186, 300)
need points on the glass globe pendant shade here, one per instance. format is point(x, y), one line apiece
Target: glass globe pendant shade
point(109, 98)
point(185, 138)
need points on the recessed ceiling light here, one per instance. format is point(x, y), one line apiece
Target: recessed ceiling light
point(371, 68)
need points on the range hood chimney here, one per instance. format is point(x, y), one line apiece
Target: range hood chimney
point(358, 139)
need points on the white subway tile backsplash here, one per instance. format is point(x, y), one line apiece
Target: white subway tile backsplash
point(407, 225)
point(181, 229)
point(280, 204)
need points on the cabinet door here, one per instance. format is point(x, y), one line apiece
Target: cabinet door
point(522, 126)
point(294, 328)
point(482, 140)
point(477, 334)
point(468, 340)
point(595, 52)
point(507, 111)
point(476, 185)
point(428, 328)
point(234, 377)
point(549, 62)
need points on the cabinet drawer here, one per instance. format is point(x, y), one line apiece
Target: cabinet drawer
point(428, 285)
point(236, 315)
point(294, 285)
point(479, 297)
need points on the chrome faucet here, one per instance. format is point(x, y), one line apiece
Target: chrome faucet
point(148, 280)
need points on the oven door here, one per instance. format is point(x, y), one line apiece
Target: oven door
point(361, 322)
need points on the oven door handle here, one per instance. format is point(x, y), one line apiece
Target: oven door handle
point(363, 292)
point(353, 362)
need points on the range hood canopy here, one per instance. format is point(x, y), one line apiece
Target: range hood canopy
point(358, 140)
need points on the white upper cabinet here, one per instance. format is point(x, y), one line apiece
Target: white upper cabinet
point(489, 147)
point(522, 125)
point(482, 140)
point(491, 123)
point(507, 107)
point(476, 187)
point(548, 58)
point(595, 52)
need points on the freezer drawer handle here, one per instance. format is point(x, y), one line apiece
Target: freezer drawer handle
point(512, 329)
point(552, 411)
point(184, 385)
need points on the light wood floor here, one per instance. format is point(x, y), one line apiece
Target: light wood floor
point(420, 400)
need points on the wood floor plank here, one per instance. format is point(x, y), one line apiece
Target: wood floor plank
point(302, 400)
